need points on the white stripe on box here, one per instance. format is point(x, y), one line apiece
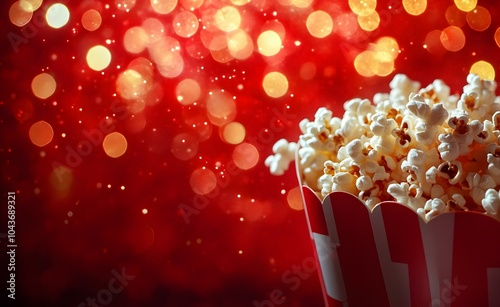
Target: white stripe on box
point(330, 267)
point(437, 238)
point(396, 277)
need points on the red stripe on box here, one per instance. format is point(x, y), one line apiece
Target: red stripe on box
point(314, 211)
point(357, 252)
point(476, 248)
point(402, 227)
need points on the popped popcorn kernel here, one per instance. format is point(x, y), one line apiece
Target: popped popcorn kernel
point(422, 147)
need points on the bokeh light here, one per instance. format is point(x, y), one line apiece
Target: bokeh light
point(41, 133)
point(125, 5)
point(239, 44)
point(433, 43)
point(228, 19)
point(203, 181)
point(294, 199)
point(466, 5)
point(91, 20)
point(415, 7)
point(163, 6)
point(191, 4)
point(220, 108)
point(245, 156)
point(454, 16)
point(453, 38)
point(185, 24)
point(115, 144)
point(497, 37)
point(269, 43)
point(18, 15)
point(135, 40)
point(130, 84)
point(479, 18)
point(369, 22)
point(98, 58)
point(319, 24)
point(233, 133)
point(302, 3)
point(187, 91)
point(184, 146)
point(30, 5)
point(483, 69)
point(363, 7)
point(43, 85)
point(57, 15)
point(275, 84)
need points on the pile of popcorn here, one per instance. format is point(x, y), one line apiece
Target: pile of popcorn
point(421, 147)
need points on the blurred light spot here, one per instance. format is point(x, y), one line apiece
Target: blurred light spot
point(302, 3)
point(389, 45)
point(184, 146)
point(466, 5)
point(154, 30)
point(43, 86)
point(275, 84)
point(240, 2)
point(497, 36)
point(454, 16)
point(384, 64)
point(453, 38)
point(245, 156)
point(228, 19)
point(41, 133)
point(185, 24)
point(369, 22)
point(233, 133)
point(307, 70)
point(363, 63)
point(135, 40)
point(114, 144)
point(433, 43)
point(172, 65)
point(163, 6)
point(363, 7)
point(484, 70)
point(319, 24)
point(415, 7)
point(144, 211)
point(203, 181)
point(91, 20)
point(98, 57)
point(61, 179)
point(346, 25)
point(191, 4)
point(57, 15)
point(221, 107)
point(240, 44)
point(125, 5)
point(131, 85)
point(269, 43)
point(31, 5)
point(479, 18)
point(18, 15)
point(294, 199)
point(187, 91)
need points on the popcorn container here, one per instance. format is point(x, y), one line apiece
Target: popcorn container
point(391, 257)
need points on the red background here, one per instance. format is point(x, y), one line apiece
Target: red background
point(63, 259)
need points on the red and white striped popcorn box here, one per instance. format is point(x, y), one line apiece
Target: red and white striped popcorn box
point(391, 257)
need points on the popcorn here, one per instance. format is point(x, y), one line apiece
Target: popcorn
point(424, 148)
